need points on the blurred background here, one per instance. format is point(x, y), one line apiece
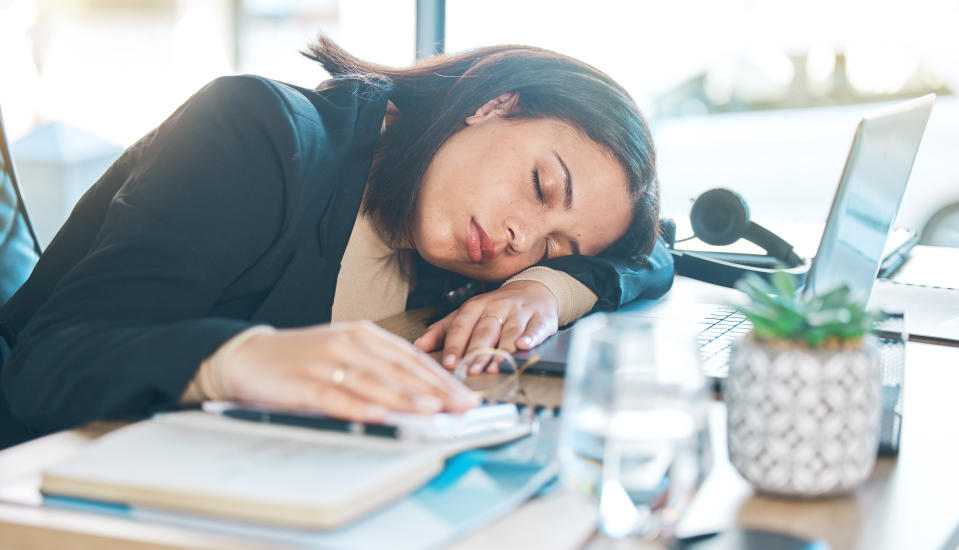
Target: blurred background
point(761, 96)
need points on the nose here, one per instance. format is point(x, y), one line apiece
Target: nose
point(520, 234)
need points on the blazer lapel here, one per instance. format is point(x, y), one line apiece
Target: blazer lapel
point(303, 294)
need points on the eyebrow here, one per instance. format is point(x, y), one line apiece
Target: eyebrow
point(567, 183)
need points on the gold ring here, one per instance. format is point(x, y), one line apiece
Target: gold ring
point(338, 376)
point(490, 315)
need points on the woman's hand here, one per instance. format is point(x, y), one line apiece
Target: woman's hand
point(518, 315)
point(356, 371)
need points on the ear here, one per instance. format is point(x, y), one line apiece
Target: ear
point(501, 105)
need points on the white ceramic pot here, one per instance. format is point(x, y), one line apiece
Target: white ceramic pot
point(803, 422)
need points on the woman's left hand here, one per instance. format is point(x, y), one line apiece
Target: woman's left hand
point(518, 315)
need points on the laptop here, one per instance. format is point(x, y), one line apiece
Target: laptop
point(850, 251)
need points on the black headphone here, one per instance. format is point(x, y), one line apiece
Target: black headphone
point(720, 217)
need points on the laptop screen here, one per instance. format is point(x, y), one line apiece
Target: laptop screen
point(868, 197)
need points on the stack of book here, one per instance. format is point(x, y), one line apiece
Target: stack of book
point(299, 485)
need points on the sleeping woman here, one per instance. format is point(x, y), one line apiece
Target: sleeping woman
point(242, 249)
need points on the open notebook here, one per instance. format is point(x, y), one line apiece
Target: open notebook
point(211, 465)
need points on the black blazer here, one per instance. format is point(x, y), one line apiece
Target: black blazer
point(235, 211)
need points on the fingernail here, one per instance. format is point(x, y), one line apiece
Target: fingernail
point(428, 404)
point(449, 360)
point(526, 340)
point(476, 368)
point(376, 413)
point(467, 400)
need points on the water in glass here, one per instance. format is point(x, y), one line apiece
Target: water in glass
point(634, 422)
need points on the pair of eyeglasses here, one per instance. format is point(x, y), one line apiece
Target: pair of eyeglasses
point(504, 388)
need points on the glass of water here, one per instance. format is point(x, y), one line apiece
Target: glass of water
point(634, 429)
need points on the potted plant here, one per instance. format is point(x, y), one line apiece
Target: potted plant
point(803, 392)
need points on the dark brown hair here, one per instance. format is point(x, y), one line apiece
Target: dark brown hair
point(435, 96)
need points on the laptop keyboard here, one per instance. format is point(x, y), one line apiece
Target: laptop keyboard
point(722, 326)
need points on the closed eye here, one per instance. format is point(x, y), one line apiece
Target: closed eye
point(537, 187)
point(542, 199)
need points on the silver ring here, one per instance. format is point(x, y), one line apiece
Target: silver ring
point(490, 315)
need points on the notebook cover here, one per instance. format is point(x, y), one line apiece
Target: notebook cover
point(200, 463)
point(473, 489)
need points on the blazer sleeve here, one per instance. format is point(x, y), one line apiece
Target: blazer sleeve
point(616, 281)
point(125, 329)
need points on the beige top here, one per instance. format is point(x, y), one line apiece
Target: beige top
point(372, 285)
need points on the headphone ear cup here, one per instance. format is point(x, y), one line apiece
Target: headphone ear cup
point(719, 217)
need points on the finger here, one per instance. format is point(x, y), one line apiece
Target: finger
point(432, 339)
point(362, 380)
point(337, 402)
point(413, 367)
point(513, 329)
point(486, 334)
point(459, 332)
point(537, 330)
point(416, 362)
point(375, 337)
point(409, 376)
point(480, 362)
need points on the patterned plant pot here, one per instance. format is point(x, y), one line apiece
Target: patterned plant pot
point(803, 422)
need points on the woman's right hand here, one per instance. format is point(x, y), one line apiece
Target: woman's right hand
point(357, 371)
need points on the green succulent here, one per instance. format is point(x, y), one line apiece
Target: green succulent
point(778, 312)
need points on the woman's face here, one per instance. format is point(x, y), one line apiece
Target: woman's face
point(502, 194)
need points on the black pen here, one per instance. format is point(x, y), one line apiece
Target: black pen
point(417, 427)
point(317, 421)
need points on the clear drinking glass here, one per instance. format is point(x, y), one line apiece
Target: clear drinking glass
point(634, 428)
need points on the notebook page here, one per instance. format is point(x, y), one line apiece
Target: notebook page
point(246, 463)
point(208, 464)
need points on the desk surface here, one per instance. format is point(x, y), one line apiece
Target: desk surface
point(907, 502)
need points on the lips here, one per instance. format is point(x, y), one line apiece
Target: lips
point(478, 244)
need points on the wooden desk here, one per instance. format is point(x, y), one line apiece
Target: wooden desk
point(907, 503)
